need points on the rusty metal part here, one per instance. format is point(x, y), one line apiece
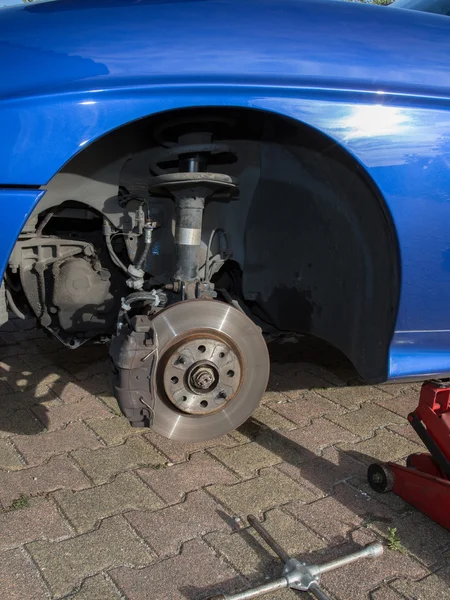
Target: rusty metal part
point(203, 374)
point(242, 372)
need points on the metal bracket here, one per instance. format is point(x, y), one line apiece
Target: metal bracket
point(297, 575)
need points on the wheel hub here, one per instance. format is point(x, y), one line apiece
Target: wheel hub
point(202, 374)
point(211, 373)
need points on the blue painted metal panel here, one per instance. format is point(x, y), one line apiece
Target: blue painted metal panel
point(78, 69)
point(15, 207)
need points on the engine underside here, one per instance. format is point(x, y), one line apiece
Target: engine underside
point(184, 240)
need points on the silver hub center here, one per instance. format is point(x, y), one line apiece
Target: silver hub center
point(202, 375)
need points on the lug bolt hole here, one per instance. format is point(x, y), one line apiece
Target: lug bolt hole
point(183, 398)
point(230, 373)
point(222, 395)
point(202, 349)
point(222, 355)
point(181, 360)
point(203, 403)
point(174, 380)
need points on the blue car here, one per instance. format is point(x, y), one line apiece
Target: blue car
point(184, 179)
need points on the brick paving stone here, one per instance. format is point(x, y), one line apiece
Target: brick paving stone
point(355, 581)
point(58, 416)
point(115, 430)
point(21, 421)
point(246, 460)
point(110, 402)
point(322, 473)
point(408, 432)
point(180, 451)
point(398, 389)
point(39, 448)
point(69, 391)
point(127, 492)
point(195, 573)
point(40, 520)
point(19, 578)
point(280, 444)
point(249, 554)
point(366, 419)
point(97, 588)
point(166, 529)
point(294, 386)
point(435, 586)
point(384, 593)
point(5, 388)
point(40, 379)
point(319, 435)
point(24, 400)
point(9, 458)
point(353, 397)
point(102, 464)
point(334, 517)
point(309, 406)
point(383, 446)
point(401, 404)
point(419, 535)
point(270, 418)
point(269, 490)
point(172, 483)
point(58, 473)
point(67, 563)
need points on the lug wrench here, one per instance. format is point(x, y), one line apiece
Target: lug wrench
point(297, 575)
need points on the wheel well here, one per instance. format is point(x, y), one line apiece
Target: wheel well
point(310, 232)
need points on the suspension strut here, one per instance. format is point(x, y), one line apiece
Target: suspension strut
point(190, 186)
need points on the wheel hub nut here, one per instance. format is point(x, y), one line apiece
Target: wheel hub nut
point(203, 378)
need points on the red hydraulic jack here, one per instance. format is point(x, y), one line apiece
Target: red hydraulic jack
point(425, 481)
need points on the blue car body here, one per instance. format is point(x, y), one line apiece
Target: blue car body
point(374, 82)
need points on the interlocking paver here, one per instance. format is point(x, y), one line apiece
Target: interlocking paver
point(365, 420)
point(38, 448)
point(9, 457)
point(304, 443)
point(56, 417)
point(114, 431)
point(247, 459)
point(270, 418)
point(335, 516)
point(67, 563)
point(166, 529)
point(249, 554)
point(383, 446)
point(269, 490)
point(307, 407)
point(40, 520)
point(419, 535)
point(353, 397)
point(59, 472)
point(102, 464)
point(355, 581)
point(322, 473)
point(19, 578)
point(432, 587)
point(172, 483)
point(86, 507)
point(180, 451)
point(97, 588)
point(195, 573)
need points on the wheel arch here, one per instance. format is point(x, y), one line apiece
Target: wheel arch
point(368, 302)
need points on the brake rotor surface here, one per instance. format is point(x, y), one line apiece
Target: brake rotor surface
point(212, 370)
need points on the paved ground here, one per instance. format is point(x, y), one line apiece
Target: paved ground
point(95, 510)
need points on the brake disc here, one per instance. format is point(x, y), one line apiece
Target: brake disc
point(212, 370)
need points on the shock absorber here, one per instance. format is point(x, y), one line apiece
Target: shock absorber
point(190, 185)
